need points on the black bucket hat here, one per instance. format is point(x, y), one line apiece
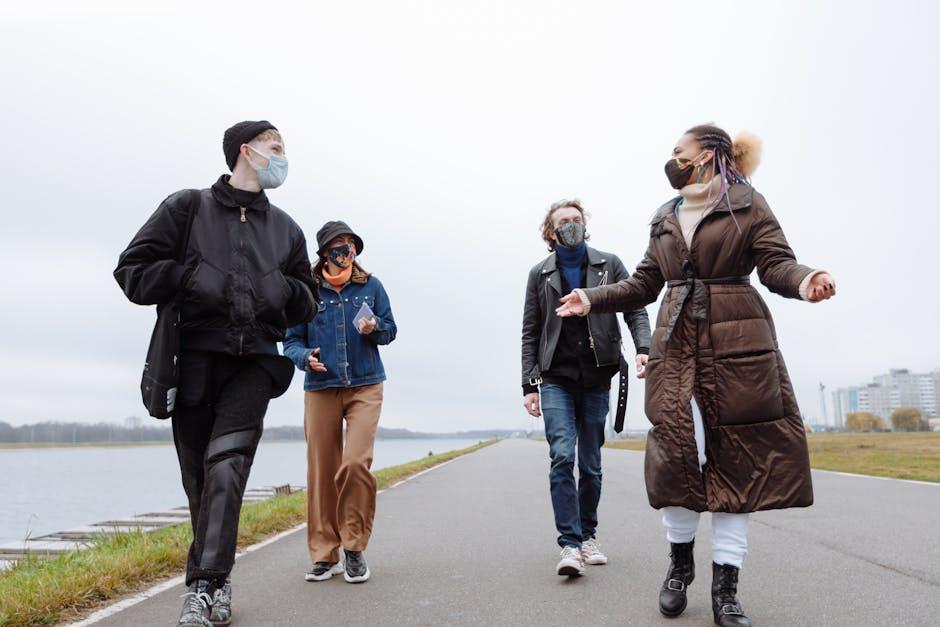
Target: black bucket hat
point(333, 229)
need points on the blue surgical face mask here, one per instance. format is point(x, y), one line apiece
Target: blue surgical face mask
point(273, 175)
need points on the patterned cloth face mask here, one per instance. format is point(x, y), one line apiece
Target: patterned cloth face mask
point(570, 234)
point(342, 256)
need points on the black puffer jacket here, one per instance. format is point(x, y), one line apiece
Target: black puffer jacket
point(246, 276)
point(541, 327)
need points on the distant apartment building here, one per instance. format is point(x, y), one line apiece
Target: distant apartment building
point(887, 392)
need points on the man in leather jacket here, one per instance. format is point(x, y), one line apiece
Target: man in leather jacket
point(244, 279)
point(566, 373)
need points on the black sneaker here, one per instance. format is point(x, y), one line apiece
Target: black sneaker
point(322, 571)
point(356, 569)
point(196, 604)
point(221, 614)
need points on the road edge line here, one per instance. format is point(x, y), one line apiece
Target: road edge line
point(135, 599)
point(855, 474)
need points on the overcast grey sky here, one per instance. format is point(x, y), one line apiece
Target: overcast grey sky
point(441, 131)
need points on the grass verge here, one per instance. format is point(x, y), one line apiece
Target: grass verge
point(895, 455)
point(47, 592)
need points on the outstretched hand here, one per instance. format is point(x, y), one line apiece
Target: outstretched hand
point(821, 287)
point(571, 305)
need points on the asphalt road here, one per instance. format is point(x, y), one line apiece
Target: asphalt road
point(473, 542)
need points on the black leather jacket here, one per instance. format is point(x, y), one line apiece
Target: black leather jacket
point(541, 328)
point(246, 275)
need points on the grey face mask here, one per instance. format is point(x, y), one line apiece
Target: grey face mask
point(273, 175)
point(570, 235)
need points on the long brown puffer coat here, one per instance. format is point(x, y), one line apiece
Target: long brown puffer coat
point(715, 338)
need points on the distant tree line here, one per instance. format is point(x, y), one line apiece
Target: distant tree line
point(385, 433)
point(80, 432)
point(908, 419)
point(902, 419)
point(136, 430)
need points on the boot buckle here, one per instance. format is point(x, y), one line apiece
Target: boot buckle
point(731, 609)
point(678, 587)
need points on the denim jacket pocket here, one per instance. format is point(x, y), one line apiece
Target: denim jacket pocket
point(357, 302)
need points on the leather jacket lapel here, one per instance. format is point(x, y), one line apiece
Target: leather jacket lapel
point(550, 274)
point(598, 270)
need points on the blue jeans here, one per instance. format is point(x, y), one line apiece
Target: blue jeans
point(575, 421)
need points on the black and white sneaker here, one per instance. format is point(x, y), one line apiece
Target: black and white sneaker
point(356, 569)
point(321, 571)
point(221, 614)
point(196, 604)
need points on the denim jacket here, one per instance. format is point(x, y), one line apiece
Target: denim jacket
point(351, 359)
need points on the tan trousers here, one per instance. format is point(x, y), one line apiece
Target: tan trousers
point(340, 486)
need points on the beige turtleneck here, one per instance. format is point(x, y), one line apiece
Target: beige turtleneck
point(698, 200)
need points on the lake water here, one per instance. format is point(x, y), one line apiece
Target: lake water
point(43, 490)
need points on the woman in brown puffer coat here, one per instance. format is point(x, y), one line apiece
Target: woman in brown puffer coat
point(727, 436)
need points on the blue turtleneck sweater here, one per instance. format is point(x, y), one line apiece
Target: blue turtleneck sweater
point(571, 264)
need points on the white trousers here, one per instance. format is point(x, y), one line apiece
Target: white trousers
point(729, 531)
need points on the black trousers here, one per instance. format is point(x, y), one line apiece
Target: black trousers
point(216, 428)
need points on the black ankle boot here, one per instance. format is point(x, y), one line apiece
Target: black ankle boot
point(672, 596)
point(725, 606)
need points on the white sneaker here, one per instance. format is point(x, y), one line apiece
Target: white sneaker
point(591, 552)
point(571, 564)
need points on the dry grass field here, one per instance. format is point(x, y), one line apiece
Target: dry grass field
point(897, 455)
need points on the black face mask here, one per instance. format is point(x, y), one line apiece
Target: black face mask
point(679, 172)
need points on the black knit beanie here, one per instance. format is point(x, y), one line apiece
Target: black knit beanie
point(241, 133)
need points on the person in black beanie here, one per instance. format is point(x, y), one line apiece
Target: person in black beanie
point(242, 280)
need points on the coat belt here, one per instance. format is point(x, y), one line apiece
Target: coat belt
point(698, 288)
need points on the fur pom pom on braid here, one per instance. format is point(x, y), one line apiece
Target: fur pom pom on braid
point(746, 151)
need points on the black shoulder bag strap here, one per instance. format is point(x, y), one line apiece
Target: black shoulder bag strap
point(195, 196)
point(160, 378)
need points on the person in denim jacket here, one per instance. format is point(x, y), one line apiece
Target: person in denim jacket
point(344, 380)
